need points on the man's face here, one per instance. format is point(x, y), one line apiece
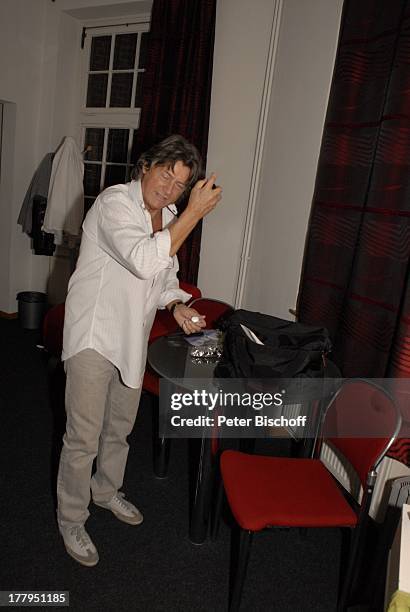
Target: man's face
point(163, 185)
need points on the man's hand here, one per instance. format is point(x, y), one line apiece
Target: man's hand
point(204, 197)
point(183, 316)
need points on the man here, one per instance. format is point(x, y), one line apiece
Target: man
point(126, 270)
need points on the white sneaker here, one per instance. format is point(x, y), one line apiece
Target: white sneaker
point(80, 546)
point(124, 510)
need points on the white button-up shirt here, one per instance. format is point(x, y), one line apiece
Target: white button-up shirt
point(123, 274)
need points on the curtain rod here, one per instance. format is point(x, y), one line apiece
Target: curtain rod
point(84, 32)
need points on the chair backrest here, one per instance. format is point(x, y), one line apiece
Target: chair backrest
point(192, 289)
point(362, 421)
point(212, 309)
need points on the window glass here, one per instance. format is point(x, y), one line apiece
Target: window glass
point(121, 90)
point(94, 138)
point(135, 149)
point(100, 53)
point(92, 177)
point(138, 90)
point(114, 175)
point(124, 51)
point(88, 202)
point(97, 90)
point(143, 50)
point(117, 149)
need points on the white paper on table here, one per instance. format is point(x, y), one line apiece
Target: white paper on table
point(209, 335)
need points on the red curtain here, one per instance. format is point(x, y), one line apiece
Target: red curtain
point(355, 279)
point(177, 89)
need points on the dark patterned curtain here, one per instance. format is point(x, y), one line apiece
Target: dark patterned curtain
point(355, 279)
point(177, 89)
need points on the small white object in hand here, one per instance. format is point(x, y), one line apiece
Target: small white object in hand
point(195, 319)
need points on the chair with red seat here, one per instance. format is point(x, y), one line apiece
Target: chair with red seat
point(361, 423)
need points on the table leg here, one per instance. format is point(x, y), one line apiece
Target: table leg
point(203, 490)
point(160, 446)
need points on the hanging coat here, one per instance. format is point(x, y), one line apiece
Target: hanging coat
point(65, 206)
point(38, 187)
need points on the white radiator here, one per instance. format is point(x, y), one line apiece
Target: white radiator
point(389, 469)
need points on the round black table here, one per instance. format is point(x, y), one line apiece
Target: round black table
point(169, 357)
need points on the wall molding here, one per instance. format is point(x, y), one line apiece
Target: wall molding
point(8, 315)
point(257, 160)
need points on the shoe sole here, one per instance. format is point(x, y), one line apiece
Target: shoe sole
point(121, 517)
point(126, 519)
point(81, 560)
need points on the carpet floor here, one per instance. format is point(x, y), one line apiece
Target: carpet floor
point(150, 567)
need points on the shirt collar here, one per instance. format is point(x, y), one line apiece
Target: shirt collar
point(135, 192)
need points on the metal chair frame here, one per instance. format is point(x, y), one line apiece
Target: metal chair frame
point(357, 533)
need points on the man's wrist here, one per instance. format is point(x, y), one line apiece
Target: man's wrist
point(173, 306)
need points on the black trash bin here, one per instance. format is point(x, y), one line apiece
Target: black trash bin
point(31, 308)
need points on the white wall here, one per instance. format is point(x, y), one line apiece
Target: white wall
point(6, 192)
point(33, 40)
point(240, 54)
point(303, 72)
point(301, 80)
point(42, 80)
point(21, 44)
point(39, 73)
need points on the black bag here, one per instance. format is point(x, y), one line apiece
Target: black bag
point(289, 349)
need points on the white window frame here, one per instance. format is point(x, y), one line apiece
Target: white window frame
point(109, 118)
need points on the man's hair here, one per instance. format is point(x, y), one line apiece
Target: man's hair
point(167, 153)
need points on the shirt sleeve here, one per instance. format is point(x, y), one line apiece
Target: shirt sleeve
point(171, 290)
point(122, 233)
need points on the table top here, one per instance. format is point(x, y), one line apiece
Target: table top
point(170, 357)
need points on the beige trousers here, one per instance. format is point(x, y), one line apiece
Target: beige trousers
point(101, 412)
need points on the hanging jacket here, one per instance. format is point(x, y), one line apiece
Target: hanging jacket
point(65, 206)
point(38, 187)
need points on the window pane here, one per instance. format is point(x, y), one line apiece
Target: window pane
point(135, 149)
point(100, 53)
point(88, 202)
point(124, 52)
point(92, 177)
point(138, 89)
point(94, 137)
point(121, 89)
point(117, 146)
point(114, 175)
point(143, 50)
point(97, 90)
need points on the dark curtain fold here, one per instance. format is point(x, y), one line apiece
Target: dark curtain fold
point(355, 278)
point(177, 89)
